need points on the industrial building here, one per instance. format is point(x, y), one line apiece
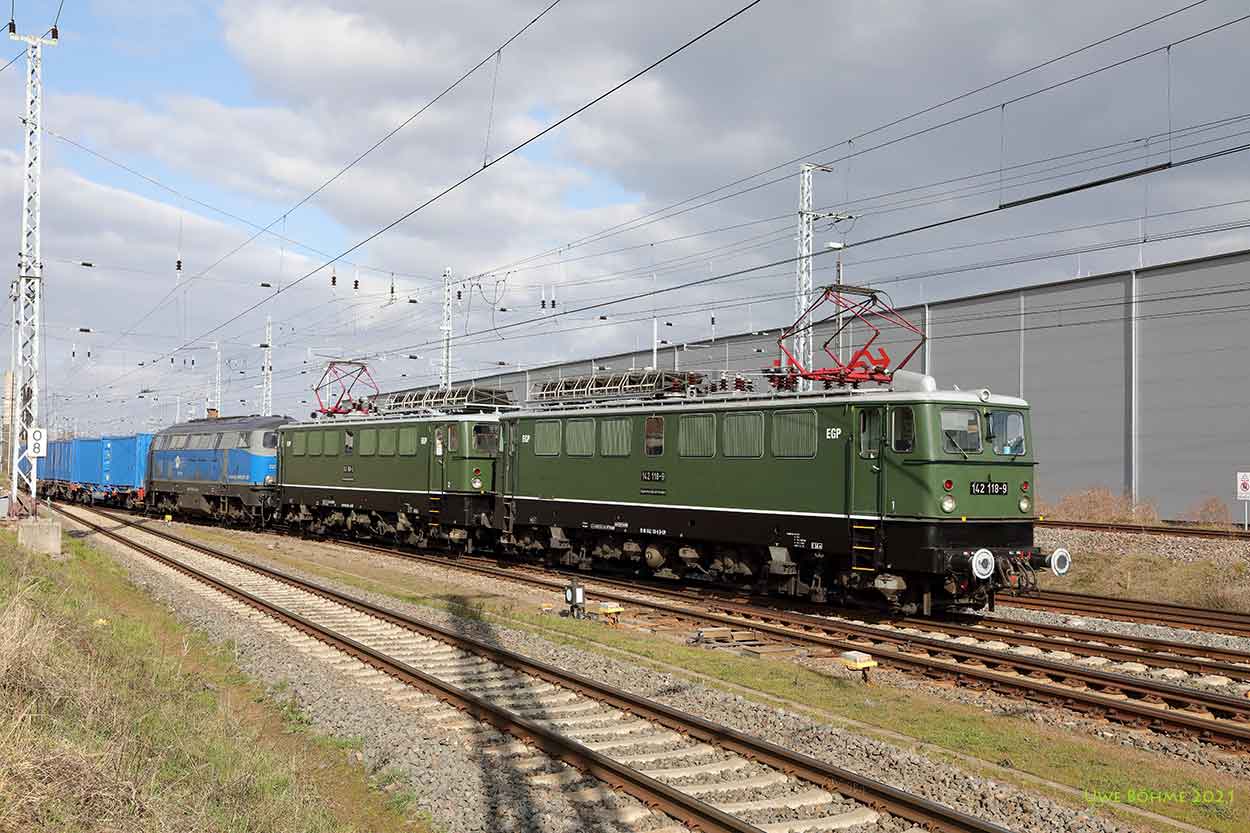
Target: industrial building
point(1139, 380)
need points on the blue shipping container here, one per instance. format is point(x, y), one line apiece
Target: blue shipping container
point(123, 461)
point(85, 462)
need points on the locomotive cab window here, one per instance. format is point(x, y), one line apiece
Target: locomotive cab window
point(903, 430)
point(270, 440)
point(1006, 432)
point(870, 433)
point(961, 431)
point(486, 438)
point(349, 443)
point(453, 437)
point(653, 442)
point(241, 440)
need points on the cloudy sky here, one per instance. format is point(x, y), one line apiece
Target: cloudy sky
point(180, 129)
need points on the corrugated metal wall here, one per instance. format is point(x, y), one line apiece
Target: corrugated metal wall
point(1157, 401)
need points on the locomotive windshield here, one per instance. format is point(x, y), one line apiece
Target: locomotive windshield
point(1006, 432)
point(961, 431)
point(486, 438)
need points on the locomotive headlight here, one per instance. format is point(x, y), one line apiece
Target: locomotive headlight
point(477, 482)
point(1025, 504)
point(948, 504)
point(270, 480)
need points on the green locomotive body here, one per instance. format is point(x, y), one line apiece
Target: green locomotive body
point(924, 497)
point(420, 480)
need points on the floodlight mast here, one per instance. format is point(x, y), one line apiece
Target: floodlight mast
point(28, 289)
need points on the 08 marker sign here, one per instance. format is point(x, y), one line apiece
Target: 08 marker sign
point(37, 442)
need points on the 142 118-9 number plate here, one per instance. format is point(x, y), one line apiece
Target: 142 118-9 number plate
point(988, 487)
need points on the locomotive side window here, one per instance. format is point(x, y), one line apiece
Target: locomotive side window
point(314, 443)
point(179, 441)
point(408, 441)
point(241, 440)
point(349, 443)
point(453, 437)
point(299, 443)
point(547, 438)
point(903, 435)
point(387, 439)
point(961, 431)
point(794, 434)
point(368, 442)
point(696, 435)
point(653, 441)
point(332, 441)
point(743, 435)
point(270, 440)
point(486, 438)
point(870, 433)
point(219, 442)
point(1006, 432)
point(614, 437)
point(579, 438)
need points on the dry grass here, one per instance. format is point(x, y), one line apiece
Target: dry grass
point(1204, 583)
point(107, 725)
point(1211, 512)
point(1099, 506)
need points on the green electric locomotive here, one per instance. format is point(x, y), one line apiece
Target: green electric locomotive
point(909, 495)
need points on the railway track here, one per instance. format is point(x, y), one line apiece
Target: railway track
point(1135, 610)
point(702, 774)
point(1181, 530)
point(1129, 699)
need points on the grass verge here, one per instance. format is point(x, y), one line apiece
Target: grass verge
point(1206, 584)
point(1089, 766)
point(113, 716)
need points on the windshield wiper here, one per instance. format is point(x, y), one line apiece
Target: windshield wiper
point(950, 434)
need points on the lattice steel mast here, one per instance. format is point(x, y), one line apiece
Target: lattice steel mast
point(266, 373)
point(804, 338)
point(444, 378)
point(24, 477)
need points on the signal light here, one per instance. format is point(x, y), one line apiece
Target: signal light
point(477, 472)
point(1024, 486)
point(948, 485)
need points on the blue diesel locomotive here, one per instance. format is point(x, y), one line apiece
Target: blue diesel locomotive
point(223, 468)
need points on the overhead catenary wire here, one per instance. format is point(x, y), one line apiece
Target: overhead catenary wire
point(628, 225)
point(473, 174)
point(360, 157)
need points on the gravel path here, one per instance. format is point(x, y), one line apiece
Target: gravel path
point(1172, 547)
point(1002, 803)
